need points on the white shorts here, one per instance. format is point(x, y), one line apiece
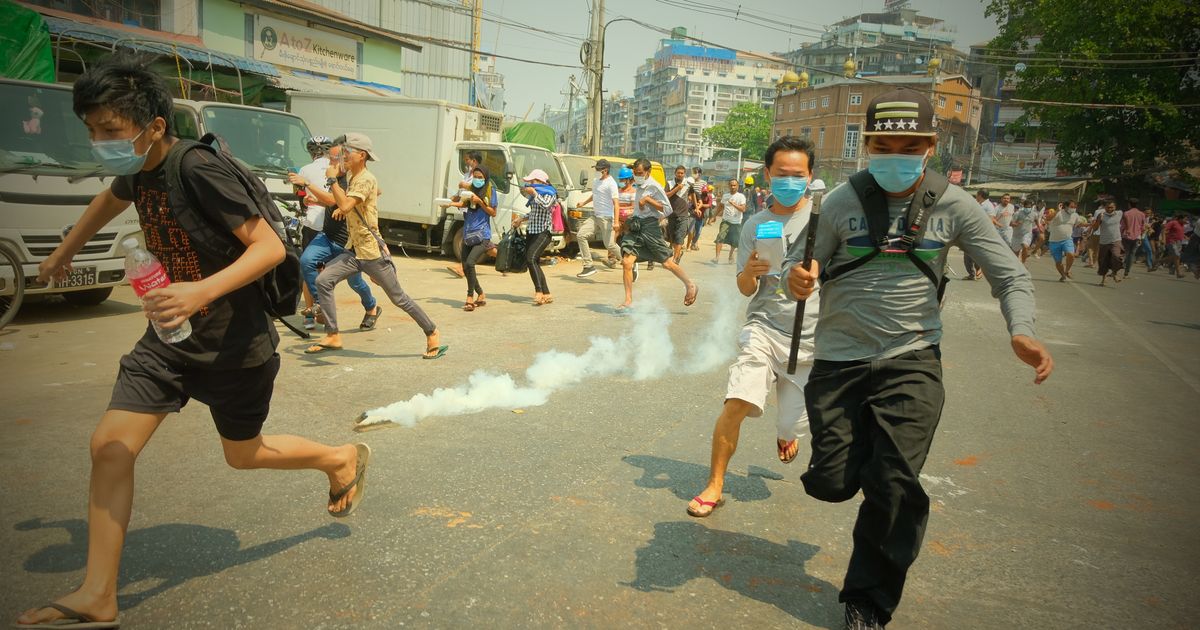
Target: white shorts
point(762, 364)
point(1020, 240)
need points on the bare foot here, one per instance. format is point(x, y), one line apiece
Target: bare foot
point(342, 476)
point(97, 608)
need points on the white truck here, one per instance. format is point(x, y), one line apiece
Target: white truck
point(421, 145)
point(48, 176)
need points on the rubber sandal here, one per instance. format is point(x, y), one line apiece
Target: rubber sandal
point(480, 303)
point(782, 449)
point(695, 296)
point(360, 482)
point(368, 322)
point(712, 505)
point(469, 306)
point(319, 348)
point(441, 351)
point(71, 619)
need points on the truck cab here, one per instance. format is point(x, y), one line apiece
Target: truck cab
point(48, 176)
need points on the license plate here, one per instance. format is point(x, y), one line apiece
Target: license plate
point(575, 214)
point(79, 277)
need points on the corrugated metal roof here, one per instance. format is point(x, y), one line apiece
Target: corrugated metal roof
point(137, 41)
point(303, 82)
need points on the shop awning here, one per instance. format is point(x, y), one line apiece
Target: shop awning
point(1063, 188)
point(142, 40)
point(296, 81)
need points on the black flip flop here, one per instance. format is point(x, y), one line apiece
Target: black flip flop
point(368, 322)
point(71, 619)
point(360, 482)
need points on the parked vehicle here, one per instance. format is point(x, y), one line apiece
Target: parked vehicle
point(422, 144)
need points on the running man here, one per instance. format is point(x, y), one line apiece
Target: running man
point(643, 239)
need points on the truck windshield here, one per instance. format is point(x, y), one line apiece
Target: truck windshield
point(39, 132)
point(266, 140)
point(525, 159)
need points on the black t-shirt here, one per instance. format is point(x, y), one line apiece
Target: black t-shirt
point(680, 204)
point(335, 229)
point(233, 331)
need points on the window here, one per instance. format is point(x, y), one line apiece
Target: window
point(824, 101)
point(850, 149)
point(791, 107)
point(803, 105)
point(777, 133)
point(812, 103)
point(741, 76)
point(856, 99)
point(806, 132)
point(941, 102)
point(496, 164)
point(821, 138)
point(958, 106)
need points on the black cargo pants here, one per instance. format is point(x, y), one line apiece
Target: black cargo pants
point(872, 423)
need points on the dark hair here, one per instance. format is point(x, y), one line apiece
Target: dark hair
point(643, 164)
point(486, 176)
point(791, 143)
point(125, 84)
point(474, 155)
point(681, 167)
point(1133, 201)
point(983, 192)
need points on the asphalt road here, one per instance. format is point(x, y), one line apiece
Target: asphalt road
point(1070, 504)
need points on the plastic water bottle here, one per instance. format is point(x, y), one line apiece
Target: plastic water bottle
point(145, 273)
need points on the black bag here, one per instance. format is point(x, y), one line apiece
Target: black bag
point(281, 285)
point(874, 205)
point(510, 254)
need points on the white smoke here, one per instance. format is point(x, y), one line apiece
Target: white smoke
point(644, 352)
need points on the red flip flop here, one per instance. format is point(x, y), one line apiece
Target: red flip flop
point(713, 505)
point(782, 449)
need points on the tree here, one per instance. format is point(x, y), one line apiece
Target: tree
point(748, 126)
point(1098, 51)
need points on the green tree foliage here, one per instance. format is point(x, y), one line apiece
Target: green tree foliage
point(1083, 51)
point(748, 125)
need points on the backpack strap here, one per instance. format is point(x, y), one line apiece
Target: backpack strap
point(874, 205)
point(184, 206)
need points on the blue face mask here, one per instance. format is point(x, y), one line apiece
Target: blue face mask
point(478, 183)
point(120, 156)
point(788, 190)
point(895, 172)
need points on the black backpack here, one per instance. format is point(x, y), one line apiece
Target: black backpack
point(875, 206)
point(281, 285)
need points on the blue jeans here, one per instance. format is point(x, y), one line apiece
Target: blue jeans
point(321, 250)
point(1149, 252)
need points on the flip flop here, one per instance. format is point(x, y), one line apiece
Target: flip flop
point(71, 619)
point(368, 322)
point(469, 306)
point(441, 350)
point(360, 482)
point(480, 303)
point(711, 505)
point(319, 348)
point(782, 449)
point(695, 296)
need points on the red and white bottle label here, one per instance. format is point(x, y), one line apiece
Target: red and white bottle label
point(156, 279)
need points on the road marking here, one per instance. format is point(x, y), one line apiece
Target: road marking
point(1133, 334)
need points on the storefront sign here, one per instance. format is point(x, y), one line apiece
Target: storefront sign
point(295, 46)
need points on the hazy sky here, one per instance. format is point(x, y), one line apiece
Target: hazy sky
point(629, 44)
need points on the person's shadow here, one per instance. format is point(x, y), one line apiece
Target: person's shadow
point(771, 573)
point(686, 479)
point(166, 555)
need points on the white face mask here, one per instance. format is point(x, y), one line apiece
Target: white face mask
point(639, 179)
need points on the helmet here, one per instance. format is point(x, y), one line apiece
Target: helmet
point(319, 142)
point(625, 173)
point(749, 180)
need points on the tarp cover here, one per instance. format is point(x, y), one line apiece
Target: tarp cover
point(533, 133)
point(25, 51)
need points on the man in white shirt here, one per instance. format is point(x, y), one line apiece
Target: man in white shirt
point(733, 204)
point(974, 271)
point(313, 220)
point(1003, 217)
point(604, 201)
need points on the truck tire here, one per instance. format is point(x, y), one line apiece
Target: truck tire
point(87, 297)
point(457, 241)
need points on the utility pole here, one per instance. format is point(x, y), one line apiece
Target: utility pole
point(570, 113)
point(476, 39)
point(595, 66)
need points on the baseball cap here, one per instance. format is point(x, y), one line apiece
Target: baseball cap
point(602, 165)
point(901, 112)
point(537, 174)
point(361, 142)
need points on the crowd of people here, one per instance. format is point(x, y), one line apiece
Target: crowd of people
point(870, 396)
point(1109, 240)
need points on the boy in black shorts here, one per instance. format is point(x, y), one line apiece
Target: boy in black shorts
point(228, 362)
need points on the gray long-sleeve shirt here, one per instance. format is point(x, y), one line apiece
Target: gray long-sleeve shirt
point(888, 307)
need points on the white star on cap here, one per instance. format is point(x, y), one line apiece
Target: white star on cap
point(887, 125)
point(912, 124)
point(878, 125)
